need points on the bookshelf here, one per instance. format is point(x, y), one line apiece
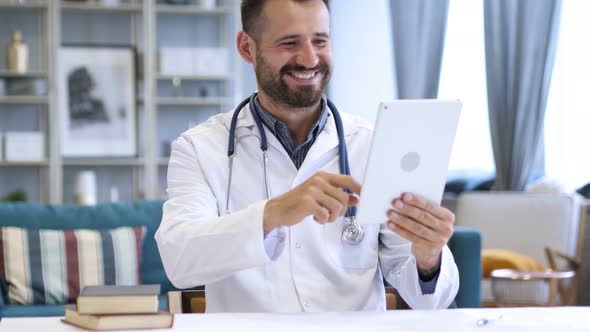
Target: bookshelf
point(161, 113)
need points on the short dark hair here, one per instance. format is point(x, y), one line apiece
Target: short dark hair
point(251, 10)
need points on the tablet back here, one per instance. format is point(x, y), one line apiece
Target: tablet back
point(410, 152)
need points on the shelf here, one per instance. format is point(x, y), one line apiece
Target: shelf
point(5, 163)
point(192, 77)
point(188, 101)
point(98, 7)
point(30, 74)
point(24, 100)
point(104, 162)
point(13, 4)
point(141, 23)
point(191, 10)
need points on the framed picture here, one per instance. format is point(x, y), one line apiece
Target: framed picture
point(96, 99)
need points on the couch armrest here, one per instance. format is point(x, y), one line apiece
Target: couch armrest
point(465, 244)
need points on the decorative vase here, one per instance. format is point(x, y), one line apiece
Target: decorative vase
point(18, 54)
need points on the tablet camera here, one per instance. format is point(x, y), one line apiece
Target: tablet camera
point(410, 161)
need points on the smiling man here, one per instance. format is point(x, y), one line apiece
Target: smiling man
point(260, 221)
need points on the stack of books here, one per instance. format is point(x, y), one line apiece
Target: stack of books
point(118, 307)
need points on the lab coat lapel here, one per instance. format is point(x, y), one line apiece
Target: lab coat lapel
point(326, 142)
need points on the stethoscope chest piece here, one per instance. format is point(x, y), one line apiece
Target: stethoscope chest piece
point(353, 233)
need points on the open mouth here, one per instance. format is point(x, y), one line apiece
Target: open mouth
point(305, 77)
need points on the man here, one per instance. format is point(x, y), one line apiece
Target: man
point(286, 254)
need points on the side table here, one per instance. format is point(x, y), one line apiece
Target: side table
point(528, 288)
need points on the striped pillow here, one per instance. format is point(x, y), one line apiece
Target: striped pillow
point(51, 266)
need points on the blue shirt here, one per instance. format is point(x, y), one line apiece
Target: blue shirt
point(283, 135)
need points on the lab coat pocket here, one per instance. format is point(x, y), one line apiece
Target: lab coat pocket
point(361, 256)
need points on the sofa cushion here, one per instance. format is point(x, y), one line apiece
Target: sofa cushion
point(33, 310)
point(51, 266)
point(101, 216)
point(495, 259)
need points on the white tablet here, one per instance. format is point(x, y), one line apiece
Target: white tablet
point(410, 152)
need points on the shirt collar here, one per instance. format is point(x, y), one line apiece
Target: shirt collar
point(271, 122)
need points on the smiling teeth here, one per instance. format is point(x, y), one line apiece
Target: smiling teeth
point(304, 76)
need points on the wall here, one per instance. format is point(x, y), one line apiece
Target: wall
point(361, 41)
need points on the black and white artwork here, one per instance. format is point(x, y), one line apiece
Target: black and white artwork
point(97, 101)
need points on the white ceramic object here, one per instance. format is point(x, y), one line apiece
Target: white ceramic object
point(86, 188)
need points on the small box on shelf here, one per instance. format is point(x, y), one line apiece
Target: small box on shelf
point(198, 61)
point(24, 146)
point(24, 86)
point(208, 4)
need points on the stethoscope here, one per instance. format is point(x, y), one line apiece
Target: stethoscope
point(352, 232)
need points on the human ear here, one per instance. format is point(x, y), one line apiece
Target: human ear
point(245, 45)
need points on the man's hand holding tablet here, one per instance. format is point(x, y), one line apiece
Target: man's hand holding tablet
point(406, 173)
point(426, 224)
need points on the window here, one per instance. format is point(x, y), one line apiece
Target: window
point(463, 76)
point(567, 138)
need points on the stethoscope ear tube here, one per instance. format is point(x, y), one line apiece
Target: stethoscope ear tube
point(232, 128)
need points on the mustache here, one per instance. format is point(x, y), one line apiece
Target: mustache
point(321, 67)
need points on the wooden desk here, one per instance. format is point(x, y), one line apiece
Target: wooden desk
point(558, 319)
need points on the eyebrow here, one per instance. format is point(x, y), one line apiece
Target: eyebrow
point(317, 34)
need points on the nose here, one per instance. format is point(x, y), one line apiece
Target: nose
point(308, 56)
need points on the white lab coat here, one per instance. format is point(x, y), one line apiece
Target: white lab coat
point(306, 267)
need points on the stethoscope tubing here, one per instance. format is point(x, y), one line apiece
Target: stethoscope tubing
point(353, 232)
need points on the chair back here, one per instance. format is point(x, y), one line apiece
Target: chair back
point(522, 222)
point(526, 223)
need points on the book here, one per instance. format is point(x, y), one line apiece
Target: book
point(174, 302)
point(140, 299)
point(158, 320)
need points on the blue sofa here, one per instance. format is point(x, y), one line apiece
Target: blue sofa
point(466, 248)
point(104, 216)
point(465, 244)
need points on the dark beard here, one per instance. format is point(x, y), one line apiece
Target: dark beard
point(277, 89)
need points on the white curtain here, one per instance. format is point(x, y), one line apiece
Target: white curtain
point(521, 39)
point(418, 30)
